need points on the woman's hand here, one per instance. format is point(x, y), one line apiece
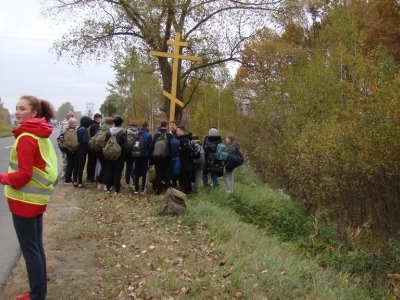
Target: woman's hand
point(4, 179)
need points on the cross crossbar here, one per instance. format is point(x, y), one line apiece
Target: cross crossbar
point(176, 56)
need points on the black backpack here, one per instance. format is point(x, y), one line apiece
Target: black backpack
point(138, 146)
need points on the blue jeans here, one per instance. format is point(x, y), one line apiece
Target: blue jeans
point(30, 237)
point(214, 178)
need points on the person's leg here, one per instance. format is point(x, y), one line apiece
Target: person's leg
point(137, 172)
point(81, 167)
point(145, 169)
point(64, 164)
point(205, 177)
point(110, 174)
point(70, 167)
point(228, 178)
point(76, 167)
point(119, 167)
point(31, 245)
point(128, 169)
point(166, 174)
point(91, 166)
point(197, 177)
point(214, 178)
point(41, 247)
point(159, 172)
point(102, 160)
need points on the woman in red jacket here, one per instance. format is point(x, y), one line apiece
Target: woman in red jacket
point(28, 185)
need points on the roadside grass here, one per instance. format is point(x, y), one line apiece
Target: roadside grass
point(5, 130)
point(116, 247)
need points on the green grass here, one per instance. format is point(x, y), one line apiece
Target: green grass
point(5, 130)
point(259, 264)
point(274, 213)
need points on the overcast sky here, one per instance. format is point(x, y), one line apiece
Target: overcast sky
point(27, 67)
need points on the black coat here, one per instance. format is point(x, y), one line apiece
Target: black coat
point(185, 152)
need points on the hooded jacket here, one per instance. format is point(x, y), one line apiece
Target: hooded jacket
point(120, 135)
point(29, 156)
point(83, 135)
point(185, 152)
point(148, 141)
point(232, 148)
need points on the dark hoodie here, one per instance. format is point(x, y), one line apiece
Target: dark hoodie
point(28, 155)
point(215, 139)
point(148, 141)
point(83, 135)
point(185, 152)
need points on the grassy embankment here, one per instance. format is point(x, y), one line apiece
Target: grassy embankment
point(5, 130)
point(253, 244)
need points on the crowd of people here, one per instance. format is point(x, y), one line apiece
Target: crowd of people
point(105, 148)
point(178, 158)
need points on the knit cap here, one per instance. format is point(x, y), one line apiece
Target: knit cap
point(213, 132)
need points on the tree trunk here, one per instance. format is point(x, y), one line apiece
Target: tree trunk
point(166, 75)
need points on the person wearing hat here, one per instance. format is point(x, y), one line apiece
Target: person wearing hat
point(114, 168)
point(212, 165)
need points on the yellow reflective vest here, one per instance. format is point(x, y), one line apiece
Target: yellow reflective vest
point(38, 189)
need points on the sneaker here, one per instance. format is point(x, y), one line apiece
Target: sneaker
point(117, 193)
point(68, 183)
point(24, 296)
point(108, 192)
point(136, 192)
point(100, 186)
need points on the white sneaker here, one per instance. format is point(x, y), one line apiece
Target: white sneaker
point(135, 192)
point(108, 192)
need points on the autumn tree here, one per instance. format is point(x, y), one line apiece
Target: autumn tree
point(63, 110)
point(110, 105)
point(106, 25)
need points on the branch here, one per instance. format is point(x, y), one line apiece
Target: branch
point(191, 94)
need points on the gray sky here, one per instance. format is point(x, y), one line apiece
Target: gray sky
point(27, 67)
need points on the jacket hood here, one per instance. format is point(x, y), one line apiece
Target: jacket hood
point(36, 126)
point(132, 129)
point(86, 121)
point(143, 130)
point(215, 138)
point(105, 126)
point(186, 136)
point(115, 129)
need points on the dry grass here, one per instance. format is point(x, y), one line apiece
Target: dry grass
point(116, 247)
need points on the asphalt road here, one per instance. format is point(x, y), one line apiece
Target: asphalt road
point(9, 248)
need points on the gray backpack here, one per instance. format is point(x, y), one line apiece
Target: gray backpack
point(173, 202)
point(161, 149)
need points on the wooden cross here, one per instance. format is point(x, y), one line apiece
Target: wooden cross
point(175, 56)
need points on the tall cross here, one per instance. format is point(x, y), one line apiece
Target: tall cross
point(175, 56)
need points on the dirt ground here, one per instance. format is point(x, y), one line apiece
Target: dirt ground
point(102, 246)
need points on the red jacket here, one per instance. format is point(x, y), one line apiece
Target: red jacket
point(28, 157)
